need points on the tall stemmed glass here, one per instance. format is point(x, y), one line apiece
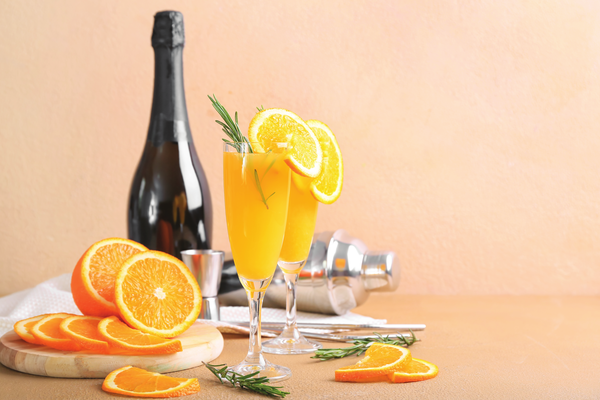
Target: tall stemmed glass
point(257, 188)
point(302, 216)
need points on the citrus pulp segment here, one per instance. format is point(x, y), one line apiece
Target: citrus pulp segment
point(23, 328)
point(84, 331)
point(138, 382)
point(380, 360)
point(122, 337)
point(416, 370)
point(47, 332)
point(156, 293)
point(327, 186)
point(93, 279)
point(276, 125)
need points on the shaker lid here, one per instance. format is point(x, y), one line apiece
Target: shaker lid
point(380, 271)
point(168, 29)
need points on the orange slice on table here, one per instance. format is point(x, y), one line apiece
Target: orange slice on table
point(93, 280)
point(275, 125)
point(84, 331)
point(47, 332)
point(122, 337)
point(416, 370)
point(138, 382)
point(327, 187)
point(156, 293)
point(380, 361)
point(23, 328)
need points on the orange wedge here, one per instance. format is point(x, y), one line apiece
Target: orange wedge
point(137, 382)
point(23, 328)
point(84, 331)
point(275, 125)
point(47, 332)
point(156, 293)
point(93, 279)
point(327, 187)
point(122, 337)
point(416, 370)
point(380, 361)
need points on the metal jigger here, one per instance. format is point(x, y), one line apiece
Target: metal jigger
point(206, 266)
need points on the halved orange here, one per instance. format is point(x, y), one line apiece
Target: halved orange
point(138, 382)
point(156, 293)
point(23, 328)
point(135, 341)
point(47, 332)
point(416, 370)
point(380, 361)
point(327, 187)
point(93, 279)
point(84, 331)
point(275, 125)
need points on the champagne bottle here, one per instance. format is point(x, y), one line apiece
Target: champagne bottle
point(169, 202)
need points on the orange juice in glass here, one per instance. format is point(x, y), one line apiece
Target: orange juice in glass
point(257, 187)
point(299, 231)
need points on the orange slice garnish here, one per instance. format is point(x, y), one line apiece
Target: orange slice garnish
point(274, 125)
point(327, 187)
point(23, 328)
point(122, 337)
point(156, 293)
point(380, 361)
point(47, 332)
point(84, 331)
point(138, 382)
point(93, 279)
point(416, 370)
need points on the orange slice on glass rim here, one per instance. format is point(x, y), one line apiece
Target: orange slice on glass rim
point(47, 332)
point(327, 186)
point(122, 337)
point(416, 370)
point(274, 125)
point(23, 328)
point(380, 361)
point(156, 293)
point(138, 382)
point(84, 331)
point(93, 279)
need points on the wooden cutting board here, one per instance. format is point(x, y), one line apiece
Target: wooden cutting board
point(200, 343)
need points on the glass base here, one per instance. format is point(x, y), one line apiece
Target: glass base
point(274, 372)
point(290, 343)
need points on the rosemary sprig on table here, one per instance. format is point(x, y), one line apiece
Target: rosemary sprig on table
point(230, 127)
point(248, 382)
point(361, 345)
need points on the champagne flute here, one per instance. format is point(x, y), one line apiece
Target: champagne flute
point(302, 216)
point(257, 188)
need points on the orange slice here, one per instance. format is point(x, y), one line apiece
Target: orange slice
point(23, 328)
point(122, 337)
point(156, 293)
point(327, 187)
point(380, 361)
point(84, 331)
point(416, 370)
point(47, 332)
point(93, 279)
point(275, 125)
point(137, 382)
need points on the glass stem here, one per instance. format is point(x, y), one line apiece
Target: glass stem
point(255, 300)
point(290, 301)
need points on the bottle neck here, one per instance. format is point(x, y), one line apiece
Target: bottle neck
point(169, 118)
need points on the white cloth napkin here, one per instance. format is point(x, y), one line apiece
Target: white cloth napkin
point(54, 296)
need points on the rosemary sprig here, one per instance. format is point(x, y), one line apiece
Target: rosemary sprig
point(230, 127)
point(248, 382)
point(262, 195)
point(261, 108)
point(361, 345)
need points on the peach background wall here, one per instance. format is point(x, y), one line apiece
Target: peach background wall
point(469, 129)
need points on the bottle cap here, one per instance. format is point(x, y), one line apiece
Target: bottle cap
point(168, 29)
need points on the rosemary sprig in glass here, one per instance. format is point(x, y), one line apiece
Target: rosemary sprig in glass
point(361, 345)
point(248, 382)
point(230, 127)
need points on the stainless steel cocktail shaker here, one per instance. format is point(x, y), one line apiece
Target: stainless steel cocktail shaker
point(338, 276)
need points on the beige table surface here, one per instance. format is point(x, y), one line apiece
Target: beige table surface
point(487, 347)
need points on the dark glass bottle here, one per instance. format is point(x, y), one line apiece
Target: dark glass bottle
point(169, 203)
